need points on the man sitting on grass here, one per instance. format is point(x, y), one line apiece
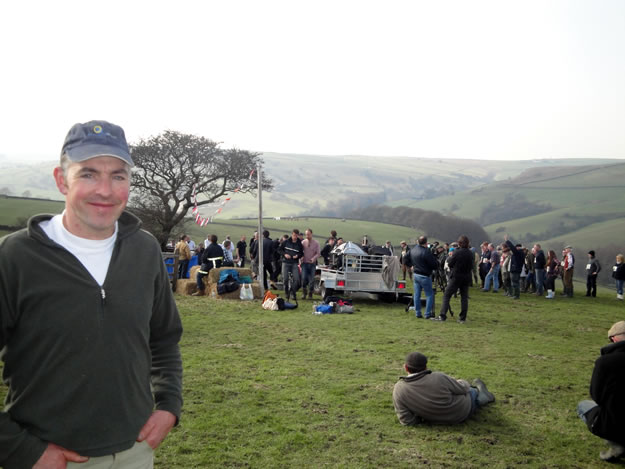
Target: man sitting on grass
point(434, 397)
point(605, 414)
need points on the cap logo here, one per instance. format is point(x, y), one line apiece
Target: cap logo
point(97, 129)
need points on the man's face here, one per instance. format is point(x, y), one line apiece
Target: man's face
point(294, 237)
point(243, 238)
point(308, 235)
point(96, 194)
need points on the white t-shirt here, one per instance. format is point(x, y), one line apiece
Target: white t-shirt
point(94, 254)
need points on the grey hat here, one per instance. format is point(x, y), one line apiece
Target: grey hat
point(96, 138)
point(616, 329)
point(416, 361)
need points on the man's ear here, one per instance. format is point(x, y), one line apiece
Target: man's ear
point(59, 178)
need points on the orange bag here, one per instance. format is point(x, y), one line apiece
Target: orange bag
point(269, 296)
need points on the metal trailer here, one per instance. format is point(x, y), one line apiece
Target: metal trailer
point(357, 273)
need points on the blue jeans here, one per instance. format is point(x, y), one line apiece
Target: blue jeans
point(619, 286)
point(308, 276)
point(183, 266)
point(540, 281)
point(474, 404)
point(584, 407)
point(494, 276)
point(423, 282)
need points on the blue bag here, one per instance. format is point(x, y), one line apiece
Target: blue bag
point(225, 274)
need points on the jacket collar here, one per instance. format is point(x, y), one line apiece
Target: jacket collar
point(415, 376)
point(127, 225)
point(615, 347)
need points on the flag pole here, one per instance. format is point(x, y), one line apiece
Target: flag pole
point(261, 268)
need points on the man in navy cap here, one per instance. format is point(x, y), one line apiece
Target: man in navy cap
point(89, 329)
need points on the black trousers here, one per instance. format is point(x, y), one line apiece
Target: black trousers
point(268, 273)
point(591, 285)
point(453, 286)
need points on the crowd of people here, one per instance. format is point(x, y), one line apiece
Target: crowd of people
point(292, 258)
point(512, 268)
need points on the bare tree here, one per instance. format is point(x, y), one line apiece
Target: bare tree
point(169, 166)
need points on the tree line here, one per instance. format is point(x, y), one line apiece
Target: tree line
point(433, 224)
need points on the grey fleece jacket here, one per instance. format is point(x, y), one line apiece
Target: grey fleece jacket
point(85, 365)
point(433, 397)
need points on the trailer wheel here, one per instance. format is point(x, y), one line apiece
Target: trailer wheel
point(325, 292)
point(317, 284)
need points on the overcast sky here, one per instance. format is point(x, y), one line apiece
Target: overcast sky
point(458, 79)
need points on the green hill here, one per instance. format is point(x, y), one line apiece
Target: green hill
point(14, 211)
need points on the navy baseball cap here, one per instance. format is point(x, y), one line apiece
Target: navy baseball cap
point(96, 138)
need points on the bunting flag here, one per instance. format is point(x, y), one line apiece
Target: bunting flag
point(202, 221)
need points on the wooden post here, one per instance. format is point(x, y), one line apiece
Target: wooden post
point(261, 265)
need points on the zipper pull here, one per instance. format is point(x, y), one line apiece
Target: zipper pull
point(103, 294)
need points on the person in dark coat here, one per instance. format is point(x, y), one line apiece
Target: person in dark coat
point(516, 266)
point(461, 265)
point(212, 257)
point(423, 263)
point(605, 414)
point(592, 270)
point(618, 274)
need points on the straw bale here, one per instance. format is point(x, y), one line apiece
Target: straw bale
point(232, 295)
point(213, 275)
point(186, 286)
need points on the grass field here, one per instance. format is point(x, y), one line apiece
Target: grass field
point(12, 209)
point(291, 389)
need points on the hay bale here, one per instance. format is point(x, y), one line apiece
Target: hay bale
point(234, 295)
point(186, 286)
point(193, 271)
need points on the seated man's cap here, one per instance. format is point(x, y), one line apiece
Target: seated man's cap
point(416, 361)
point(96, 138)
point(617, 329)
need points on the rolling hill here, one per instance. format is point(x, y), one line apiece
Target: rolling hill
point(560, 200)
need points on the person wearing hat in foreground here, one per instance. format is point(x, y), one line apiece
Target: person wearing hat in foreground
point(605, 414)
point(434, 397)
point(89, 329)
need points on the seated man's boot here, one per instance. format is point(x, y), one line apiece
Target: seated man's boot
point(303, 294)
point(484, 396)
point(614, 452)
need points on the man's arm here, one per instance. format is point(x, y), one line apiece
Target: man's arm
point(432, 262)
point(157, 428)
point(166, 374)
point(317, 253)
point(18, 448)
point(56, 457)
point(404, 414)
point(457, 386)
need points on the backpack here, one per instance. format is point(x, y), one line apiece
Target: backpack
point(228, 275)
point(227, 287)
